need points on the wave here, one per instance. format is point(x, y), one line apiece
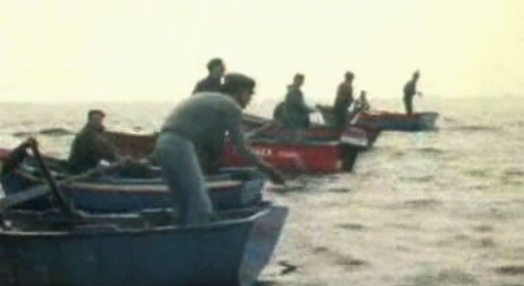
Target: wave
point(512, 176)
point(431, 150)
point(477, 173)
point(449, 119)
point(47, 131)
point(419, 179)
point(476, 128)
point(421, 204)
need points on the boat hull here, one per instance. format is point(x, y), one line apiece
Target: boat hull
point(318, 150)
point(398, 121)
point(236, 189)
point(294, 158)
point(225, 253)
point(128, 196)
point(230, 188)
point(382, 120)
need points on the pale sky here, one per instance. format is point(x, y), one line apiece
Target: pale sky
point(96, 50)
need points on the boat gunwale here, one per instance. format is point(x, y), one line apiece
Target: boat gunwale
point(80, 233)
point(255, 141)
point(129, 187)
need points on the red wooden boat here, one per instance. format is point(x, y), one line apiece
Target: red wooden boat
point(359, 136)
point(318, 150)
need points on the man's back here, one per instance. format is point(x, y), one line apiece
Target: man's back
point(205, 117)
point(296, 112)
point(344, 96)
point(410, 88)
point(209, 84)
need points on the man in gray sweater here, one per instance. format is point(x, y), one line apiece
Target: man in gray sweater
point(204, 121)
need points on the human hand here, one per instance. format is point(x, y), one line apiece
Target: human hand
point(276, 176)
point(30, 142)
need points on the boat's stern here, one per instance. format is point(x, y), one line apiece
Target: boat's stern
point(263, 239)
point(428, 120)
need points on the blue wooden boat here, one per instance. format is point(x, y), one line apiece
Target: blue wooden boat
point(138, 249)
point(231, 188)
point(420, 121)
point(384, 120)
point(107, 194)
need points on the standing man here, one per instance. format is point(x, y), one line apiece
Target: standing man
point(410, 89)
point(295, 111)
point(210, 158)
point(88, 147)
point(198, 121)
point(343, 100)
point(213, 81)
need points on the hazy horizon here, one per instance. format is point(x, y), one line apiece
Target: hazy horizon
point(113, 50)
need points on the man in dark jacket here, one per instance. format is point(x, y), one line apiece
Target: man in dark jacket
point(343, 101)
point(213, 81)
point(410, 90)
point(204, 120)
point(296, 112)
point(88, 147)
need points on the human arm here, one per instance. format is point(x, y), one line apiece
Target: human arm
point(237, 139)
point(104, 149)
point(18, 155)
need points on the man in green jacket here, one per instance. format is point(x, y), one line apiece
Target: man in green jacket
point(296, 112)
point(88, 147)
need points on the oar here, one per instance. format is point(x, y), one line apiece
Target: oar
point(65, 204)
point(42, 190)
point(260, 129)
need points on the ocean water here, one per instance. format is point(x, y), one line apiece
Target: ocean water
point(444, 207)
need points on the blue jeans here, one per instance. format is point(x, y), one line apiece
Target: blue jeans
point(177, 157)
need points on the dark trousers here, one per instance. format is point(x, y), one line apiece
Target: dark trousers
point(340, 116)
point(408, 104)
point(178, 159)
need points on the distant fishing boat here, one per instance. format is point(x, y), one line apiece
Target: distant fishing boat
point(139, 249)
point(359, 136)
point(315, 150)
point(384, 120)
point(318, 150)
point(394, 121)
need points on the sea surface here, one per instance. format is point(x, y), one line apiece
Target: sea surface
point(444, 207)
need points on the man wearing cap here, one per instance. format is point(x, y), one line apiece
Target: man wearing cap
point(198, 121)
point(88, 147)
point(212, 82)
point(410, 90)
point(343, 100)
